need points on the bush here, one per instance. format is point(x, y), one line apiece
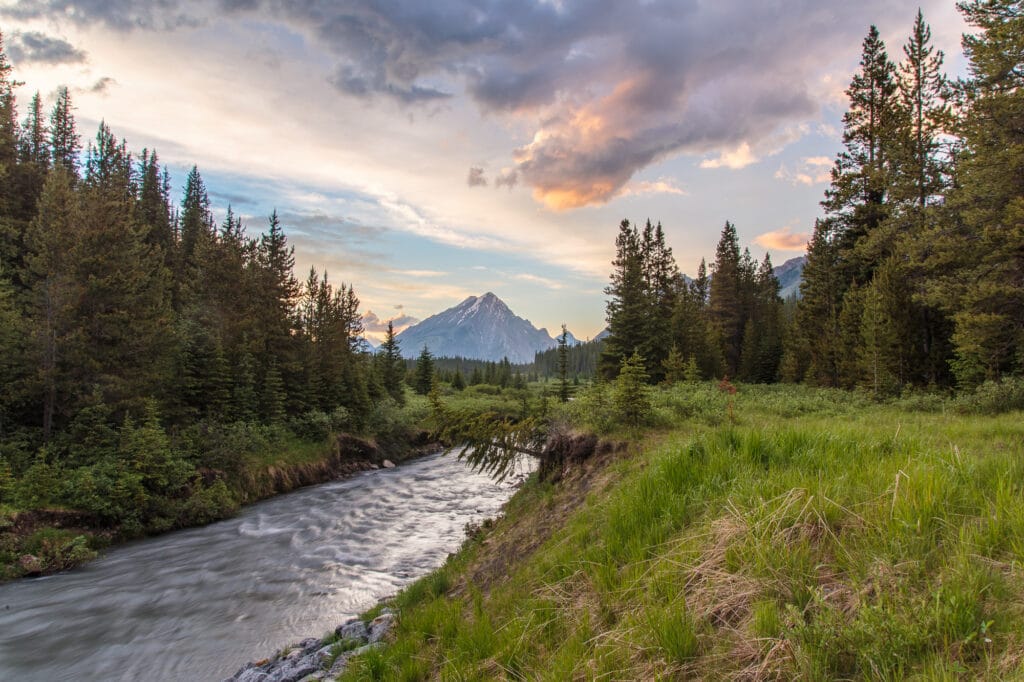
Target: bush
point(993, 397)
point(110, 490)
point(57, 550)
point(38, 486)
point(313, 426)
point(207, 505)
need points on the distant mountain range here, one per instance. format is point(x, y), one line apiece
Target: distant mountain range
point(485, 328)
point(482, 328)
point(790, 274)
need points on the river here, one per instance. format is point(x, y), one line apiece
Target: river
point(199, 603)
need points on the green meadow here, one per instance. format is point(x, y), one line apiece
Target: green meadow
point(813, 534)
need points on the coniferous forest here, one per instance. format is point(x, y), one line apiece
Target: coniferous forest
point(915, 271)
point(146, 349)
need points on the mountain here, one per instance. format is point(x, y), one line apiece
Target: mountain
point(482, 328)
point(790, 274)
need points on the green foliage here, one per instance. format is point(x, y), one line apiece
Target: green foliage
point(38, 486)
point(630, 395)
point(782, 543)
point(424, 372)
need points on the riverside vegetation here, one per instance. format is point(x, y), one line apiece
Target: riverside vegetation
point(774, 533)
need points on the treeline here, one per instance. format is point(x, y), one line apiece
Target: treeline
point(915, 273)
point(120, 310)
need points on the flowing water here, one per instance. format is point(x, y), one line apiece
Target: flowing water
point(197, 604)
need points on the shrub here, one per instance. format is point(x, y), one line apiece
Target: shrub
point(993, 397)
point(38, 486)
point(313, 426)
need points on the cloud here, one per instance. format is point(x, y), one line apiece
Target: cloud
point(102, 86)
point(374, 324)
point(34, 47)
point(537, 279)
point(737, 158)
point(605, 88)
point(507, 178)
point(659, 186)
point(783, 240)
point(811, 170)
point(419, 273)
point(476, 177)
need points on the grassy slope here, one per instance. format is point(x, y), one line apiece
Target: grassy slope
point(819, 537)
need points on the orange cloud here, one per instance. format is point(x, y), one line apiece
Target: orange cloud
point(783, 240)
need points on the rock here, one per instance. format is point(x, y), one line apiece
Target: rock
point(298, 670)
point(309, 644)
point(388, 464)
point(380, 626)
point(251, 673)
point(354, 629)
point(324, 654)
point(30, 564)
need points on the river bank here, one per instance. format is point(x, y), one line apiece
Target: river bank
point(201, 602)
point(40, 542)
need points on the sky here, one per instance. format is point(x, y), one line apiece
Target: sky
point(430, 151)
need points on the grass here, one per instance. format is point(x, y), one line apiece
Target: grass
point(819, 535)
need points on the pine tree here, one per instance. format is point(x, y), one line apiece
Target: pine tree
point(725, 300)
point(563, 365)
point(424, 372)
point(393, 366)
point(458, 383)
point(50, 244)
point(12, 360)
point(196, 230)
point(858, 199)
point(924, 95)
point(989, 307)
point(9, 199)
point(816, 334)
point(661, 285)
point(65, 143)
point(272, 397)
point(675, 367)
point(626, 309)
point(123, 313)
point(631, 398)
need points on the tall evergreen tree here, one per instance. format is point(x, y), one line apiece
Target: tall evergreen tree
point(563, 365)
point(989, 315)
point(816, 329)
point(626, 307)
point(858, 199)
point(50, 243)
point(65, 143)
point(393, 374)
point(424, 372)
point(725, 300)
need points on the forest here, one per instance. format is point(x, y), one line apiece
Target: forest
point(146, 351)
point(915, 272)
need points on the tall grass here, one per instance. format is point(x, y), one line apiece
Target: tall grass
point(818, 536)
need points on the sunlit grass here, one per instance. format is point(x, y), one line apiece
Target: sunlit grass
point(817, 535)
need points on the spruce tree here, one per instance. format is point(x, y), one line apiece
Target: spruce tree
point(858, 199)
point(816, 328)
point(725, 299)
point(563, 365)
point(630, 396)
point(50, 242)
point(989, 307)
point(424, 372)
point(393, 373)
point(626, 308)
point(65, 143)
